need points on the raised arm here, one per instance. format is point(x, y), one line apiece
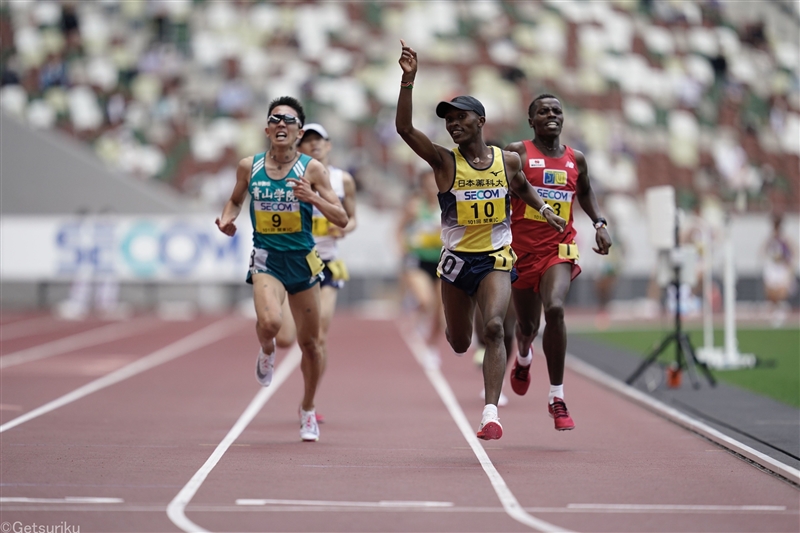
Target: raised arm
point(418, 141)
point(315, 188)
point(522, 188)
point(588, 202)
point(233, 206)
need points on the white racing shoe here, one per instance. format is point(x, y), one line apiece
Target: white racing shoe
point(309, 429)
point(265, 366)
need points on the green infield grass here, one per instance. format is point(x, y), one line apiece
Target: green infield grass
point(777, 372)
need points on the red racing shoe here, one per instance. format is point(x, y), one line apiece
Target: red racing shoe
point(520, 378)
point(560, 415)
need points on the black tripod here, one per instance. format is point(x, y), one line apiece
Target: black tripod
point(684, 351)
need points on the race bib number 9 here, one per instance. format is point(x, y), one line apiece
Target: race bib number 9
point(277, 217)
point(476, 207)
point(319, 226)
point(560, 201)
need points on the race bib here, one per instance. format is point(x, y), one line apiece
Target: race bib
point(450, 265)
point(338, 270)
point(314, 262)
point(476, 207)
point(559, 200)
point(319, 226)
point(568, 251)
point(258, 260)
point(504, 258)
point(277, 217)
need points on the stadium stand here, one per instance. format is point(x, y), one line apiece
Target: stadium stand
point(703, 95)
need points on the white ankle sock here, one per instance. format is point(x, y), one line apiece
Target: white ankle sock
point(525, 361)
point(556, 391)
point(489, 411)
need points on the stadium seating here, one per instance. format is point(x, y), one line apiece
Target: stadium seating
point(702, 95)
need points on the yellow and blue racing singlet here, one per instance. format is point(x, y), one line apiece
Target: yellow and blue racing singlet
point(476, 210)
point(281, 222)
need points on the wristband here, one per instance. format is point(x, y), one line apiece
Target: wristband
point(407, 84)
point(600, 223)
point(544, 208)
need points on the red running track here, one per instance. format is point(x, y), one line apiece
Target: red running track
point(129, 425)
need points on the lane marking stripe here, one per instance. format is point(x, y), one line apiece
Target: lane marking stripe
point(321, 503)
point(671, 507)
point(773, 465)
point(68, 499)
point(507, 498)
point(93, 337)
point(198, 339)
point(177, 507)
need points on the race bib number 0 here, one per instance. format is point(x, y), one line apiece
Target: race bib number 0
point(559, 200)
point(319, 226)
point(314, 262)
point(476, 207)
point(277, 217)
point(450, 265)
point(504, 258)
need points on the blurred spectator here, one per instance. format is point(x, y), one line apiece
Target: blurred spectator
point(163, 71)
point(778, 274)
point(53, 73)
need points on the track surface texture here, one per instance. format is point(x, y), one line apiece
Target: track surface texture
point(124, 429)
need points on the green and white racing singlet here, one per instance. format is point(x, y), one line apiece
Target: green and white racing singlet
point(281, 222)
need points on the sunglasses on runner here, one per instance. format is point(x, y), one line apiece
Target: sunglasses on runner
point(287, 119)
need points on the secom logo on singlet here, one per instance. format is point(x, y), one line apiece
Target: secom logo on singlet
point(480, 194)
point(277, 207)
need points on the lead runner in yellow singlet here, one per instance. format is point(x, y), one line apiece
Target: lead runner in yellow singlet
point(476, 264)
point(285, 186)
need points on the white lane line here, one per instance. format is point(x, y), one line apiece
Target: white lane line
point(93, 337)
point(773, 465)
point(322, 503)
point(671, 507)
point(198, 339)
point(176, 510)
point(507, 498)
point(23, 328)
point(68, 499)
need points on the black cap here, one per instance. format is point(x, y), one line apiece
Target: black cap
point(465, 103)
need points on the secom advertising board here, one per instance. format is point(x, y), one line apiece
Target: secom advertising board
point(146, 248)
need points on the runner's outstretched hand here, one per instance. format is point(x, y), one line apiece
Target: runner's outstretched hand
point(408, 60)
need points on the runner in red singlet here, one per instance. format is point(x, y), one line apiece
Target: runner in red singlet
point(547, 261)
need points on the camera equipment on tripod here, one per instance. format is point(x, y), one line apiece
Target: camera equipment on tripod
point(664, 234)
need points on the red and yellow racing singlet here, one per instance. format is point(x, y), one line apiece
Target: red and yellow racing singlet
point(556, 181)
